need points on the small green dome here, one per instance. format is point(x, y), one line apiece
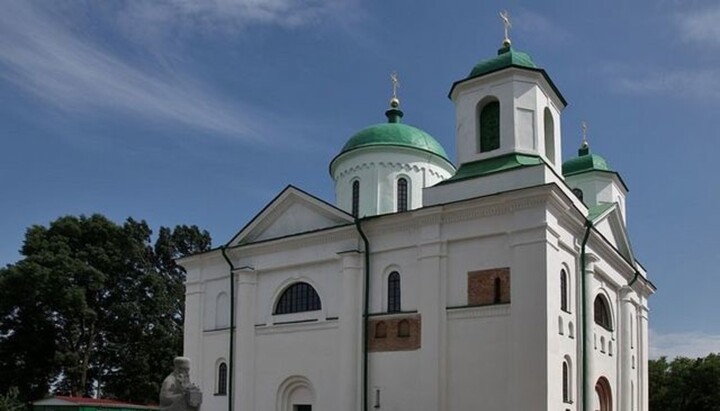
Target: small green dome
point(394, 133)
point(507, 57)
point(585, 162)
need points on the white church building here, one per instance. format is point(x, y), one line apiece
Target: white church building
point(502, 281)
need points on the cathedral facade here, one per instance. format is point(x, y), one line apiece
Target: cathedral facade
point(502, 281)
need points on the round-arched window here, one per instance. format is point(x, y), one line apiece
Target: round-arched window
point(602, 313)
point(299, 297)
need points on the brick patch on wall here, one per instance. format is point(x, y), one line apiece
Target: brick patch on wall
point(394, 333)
point(482, 288)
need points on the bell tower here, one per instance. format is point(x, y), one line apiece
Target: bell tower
point(507, 116)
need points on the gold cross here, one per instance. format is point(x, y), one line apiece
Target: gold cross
point(395, 83)
point(505, 16)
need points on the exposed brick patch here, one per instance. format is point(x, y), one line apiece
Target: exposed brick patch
point(394, 333)
point(482, 288)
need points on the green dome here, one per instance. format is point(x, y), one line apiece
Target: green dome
point(394, 133)
point(585, 162)
point(507, 57)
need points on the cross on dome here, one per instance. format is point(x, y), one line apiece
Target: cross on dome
point(394, 101)
point(505, 16)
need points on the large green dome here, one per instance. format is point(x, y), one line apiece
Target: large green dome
point(394, 133)
point(507, 57)
point(585, 162)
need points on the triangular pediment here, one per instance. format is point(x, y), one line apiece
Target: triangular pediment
point(608, 220)
point(293, 211)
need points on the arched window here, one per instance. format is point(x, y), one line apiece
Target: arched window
point(402, 195)
point(563, 291)
point(381, 330)
point(602, 313)
point(297, 298)
point(222, 377)
point(393, 304)
point(549, 135)
point(490, 127)
point(498, 291)
point(222, 311)
point(566, 382)
point(403, 328)
point(355, 198)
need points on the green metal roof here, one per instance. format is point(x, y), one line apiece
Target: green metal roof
point(597, 210)
point(493, 165)
point(394, 133)
point(585, 162)
point(507, 57)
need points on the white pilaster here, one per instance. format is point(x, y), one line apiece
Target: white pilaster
point(350, 369)
point(246, 282)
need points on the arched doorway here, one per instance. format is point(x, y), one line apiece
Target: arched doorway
point(603, 395)
point(295, 394)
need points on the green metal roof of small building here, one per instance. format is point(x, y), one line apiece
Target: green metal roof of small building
point(584, 162)
point(394, 133)
point(507, 57)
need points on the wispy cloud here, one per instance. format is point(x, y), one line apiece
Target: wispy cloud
point(689, 344)
point(43, 56)
point(539, 26)
point(700, 25)
point(691, 83)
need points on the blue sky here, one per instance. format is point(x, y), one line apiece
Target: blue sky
point(199, 112)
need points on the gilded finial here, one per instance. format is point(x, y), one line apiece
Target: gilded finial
point(394, 101)
point(584, 147)
point(505, 16)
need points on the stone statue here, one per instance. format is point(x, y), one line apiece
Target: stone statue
point(177, 392)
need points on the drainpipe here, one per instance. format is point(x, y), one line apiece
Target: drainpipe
point(587, 406)
point(366, 304)
point(637, 274)
point(231, 387)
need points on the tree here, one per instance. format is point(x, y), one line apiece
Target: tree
point(94, 304)
point(685, 384)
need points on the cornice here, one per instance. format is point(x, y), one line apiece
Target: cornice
point(295, 327)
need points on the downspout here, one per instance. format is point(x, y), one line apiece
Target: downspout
point(232, 329)
point(637, 274)
point(586, 398)
point(366, 304)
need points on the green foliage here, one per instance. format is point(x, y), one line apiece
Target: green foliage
point(685, 384)
point(10, 402)
point(93, 301)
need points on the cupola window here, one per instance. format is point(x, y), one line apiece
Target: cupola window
point(355, 198)
point(549, 135)
point(402, 195)
point(490, 127)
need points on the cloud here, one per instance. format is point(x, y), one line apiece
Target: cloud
point(700, 26)
point(51, 61)
point(691, 83)
point(539, 26)
point(688, 344)
point(161, 20)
